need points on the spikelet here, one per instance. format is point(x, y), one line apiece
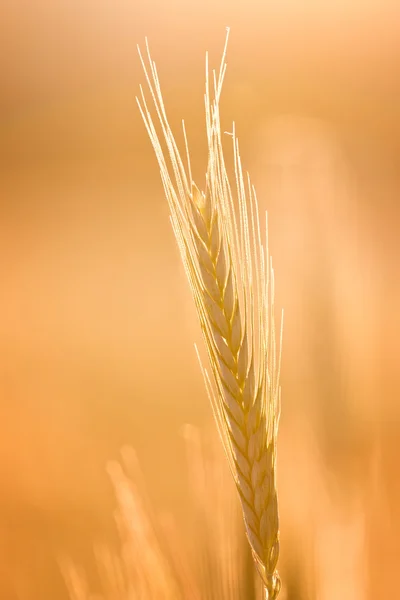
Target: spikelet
point(232, 281)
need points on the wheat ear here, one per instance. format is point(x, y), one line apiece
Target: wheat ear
point(232, 282)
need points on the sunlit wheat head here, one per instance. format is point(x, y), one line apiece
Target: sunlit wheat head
point(230, 274)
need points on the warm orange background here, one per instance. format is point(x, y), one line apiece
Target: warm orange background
point(96, 323)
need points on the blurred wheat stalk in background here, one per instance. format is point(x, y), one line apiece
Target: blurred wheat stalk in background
point(232, 281)
point(153, 562)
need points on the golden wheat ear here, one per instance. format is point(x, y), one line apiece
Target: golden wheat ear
point(231, 277)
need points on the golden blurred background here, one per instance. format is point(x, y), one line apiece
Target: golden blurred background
point(97, 324)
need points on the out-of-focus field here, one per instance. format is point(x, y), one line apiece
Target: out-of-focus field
point(96, 321)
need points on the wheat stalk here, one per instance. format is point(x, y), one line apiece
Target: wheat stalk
point(232, 282)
